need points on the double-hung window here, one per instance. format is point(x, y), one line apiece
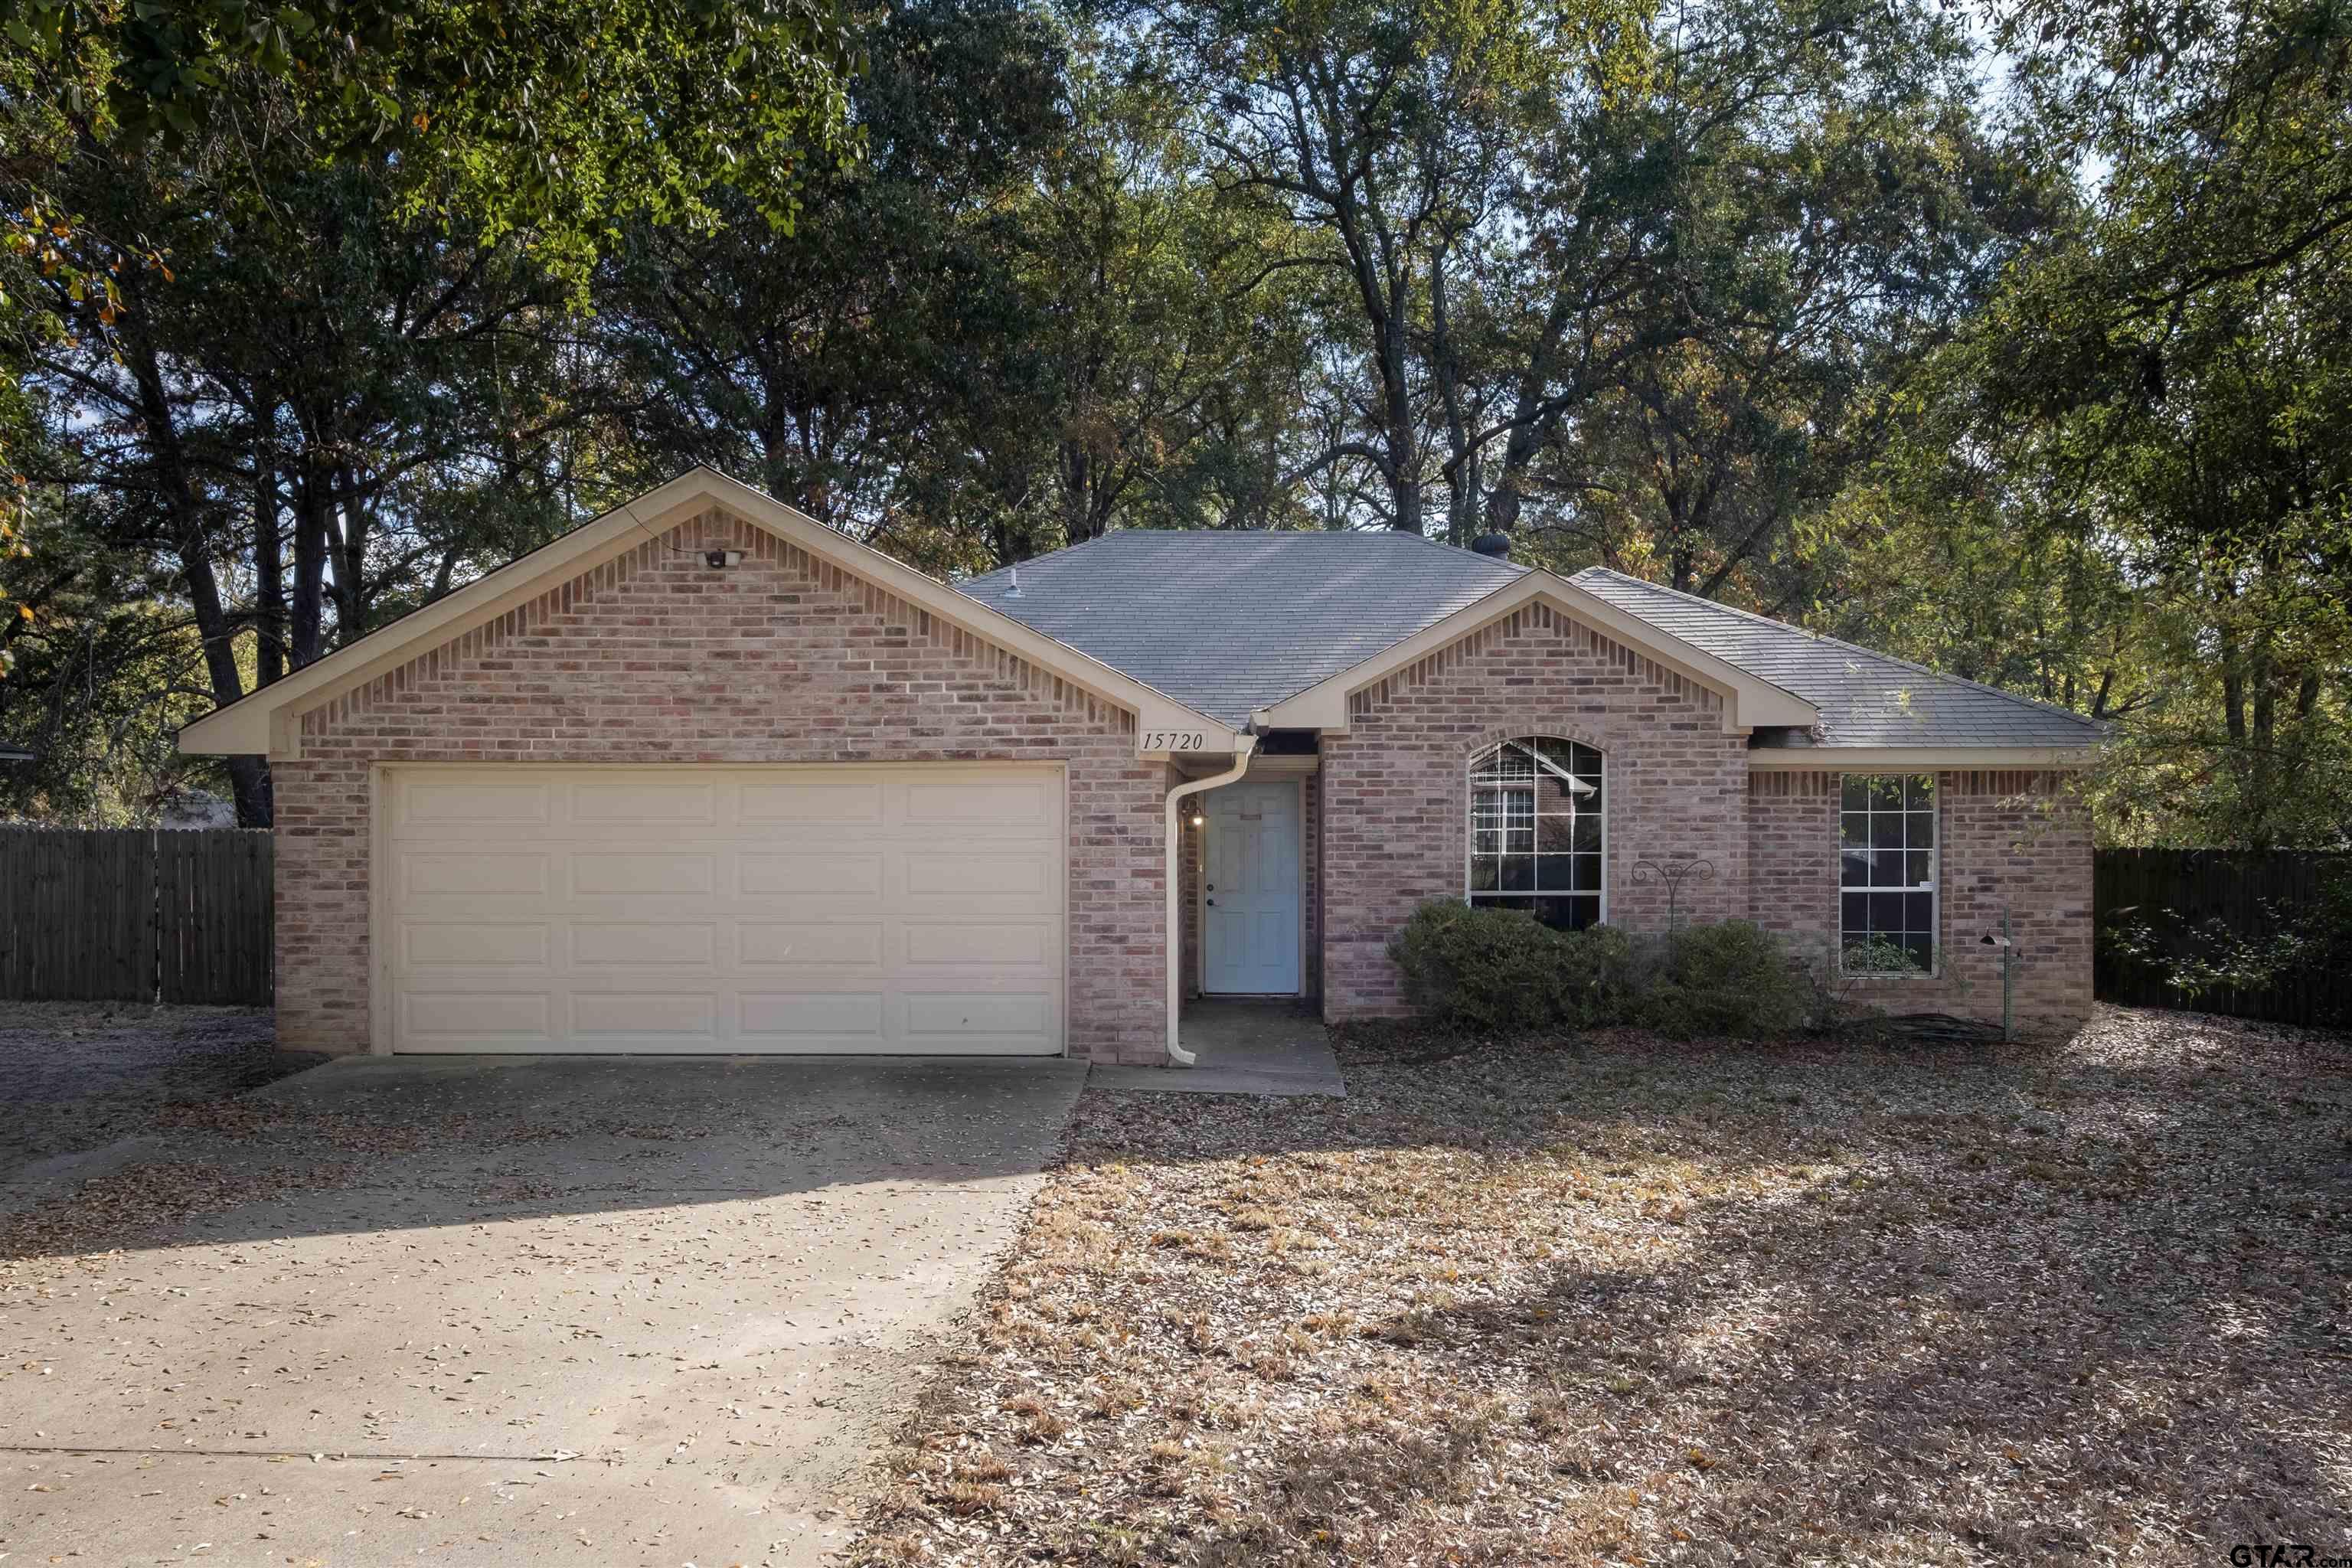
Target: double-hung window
point(1886, 872)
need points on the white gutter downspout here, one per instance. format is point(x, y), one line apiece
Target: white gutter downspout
point(1242, 746)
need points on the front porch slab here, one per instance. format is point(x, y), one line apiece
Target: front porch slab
point(1269, 1047)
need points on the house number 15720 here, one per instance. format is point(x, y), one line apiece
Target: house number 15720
point(1172, 739)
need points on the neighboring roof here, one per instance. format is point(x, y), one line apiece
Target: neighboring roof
point(1230, 622)
point(261, 721)
point(1867, 699)
point(12, 752)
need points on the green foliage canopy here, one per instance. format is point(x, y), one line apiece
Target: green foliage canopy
point(2044, 380)
point(535, 115)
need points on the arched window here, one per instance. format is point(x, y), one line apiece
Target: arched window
point(1537, 839)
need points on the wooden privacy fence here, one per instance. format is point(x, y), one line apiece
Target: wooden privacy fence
point(135, 915)
point(2253, 893)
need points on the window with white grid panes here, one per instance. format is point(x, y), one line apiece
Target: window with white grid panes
point(1886, 871)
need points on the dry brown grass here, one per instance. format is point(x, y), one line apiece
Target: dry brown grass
point(1633, 1302)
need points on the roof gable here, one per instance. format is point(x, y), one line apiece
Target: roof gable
point(1749, 701)
point(263, 722)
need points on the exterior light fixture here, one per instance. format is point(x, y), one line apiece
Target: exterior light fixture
point(719, 560)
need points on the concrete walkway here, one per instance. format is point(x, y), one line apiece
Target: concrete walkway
point(1245, 1048)
point(502, 1312)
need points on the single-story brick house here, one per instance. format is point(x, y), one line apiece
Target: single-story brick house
point(705, 776)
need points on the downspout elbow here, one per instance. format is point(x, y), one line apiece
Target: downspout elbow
point(1172, 929)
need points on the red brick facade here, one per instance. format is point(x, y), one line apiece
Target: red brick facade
point(1395, 826)
point(1191, 851)
point(1395, 787)
point(652, 657)
point(2015, 840)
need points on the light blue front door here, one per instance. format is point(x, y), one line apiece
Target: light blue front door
point(1250, 890)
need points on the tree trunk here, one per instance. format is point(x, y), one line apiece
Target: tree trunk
point(1398, 436)
point(306, 638)
point(1462, 478)
point(1086, 494)
point(1531, 424)
point(351, 561)
point(248, 775)
point(268, 571)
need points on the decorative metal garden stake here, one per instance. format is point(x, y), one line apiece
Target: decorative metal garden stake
point(1674, 874)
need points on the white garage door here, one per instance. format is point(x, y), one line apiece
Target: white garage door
point(913, 910)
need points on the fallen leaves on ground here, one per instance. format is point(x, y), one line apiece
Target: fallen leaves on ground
point(111, 1210)
point(1627, 1302)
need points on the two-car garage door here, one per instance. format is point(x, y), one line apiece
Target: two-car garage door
point(914, 909)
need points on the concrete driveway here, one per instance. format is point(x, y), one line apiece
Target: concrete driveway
point(509, 1311)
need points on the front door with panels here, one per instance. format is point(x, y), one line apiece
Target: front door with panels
point(1250, 890)
point(691, 908)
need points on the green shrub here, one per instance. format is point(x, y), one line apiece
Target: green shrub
point(1498, 970)
point(1490, 969)
point(1597, 976)
point(1734, 978)
point(1503, 971)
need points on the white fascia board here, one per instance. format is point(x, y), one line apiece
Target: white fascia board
point(260, 724)
point(1748, 701)
point(1910, 759)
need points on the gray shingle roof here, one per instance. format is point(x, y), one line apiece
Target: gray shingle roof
point(1866, 699)
point(1228, 621)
